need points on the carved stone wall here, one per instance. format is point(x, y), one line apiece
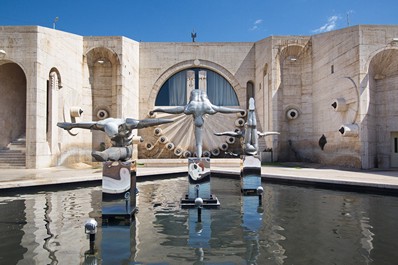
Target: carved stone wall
point(339, 86)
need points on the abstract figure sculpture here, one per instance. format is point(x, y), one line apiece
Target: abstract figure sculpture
point(118, 169)
point(251, 170)
point(250, 134)
point(199, 105)
point(119, 131)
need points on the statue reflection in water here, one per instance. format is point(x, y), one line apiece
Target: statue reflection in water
point(198, 106)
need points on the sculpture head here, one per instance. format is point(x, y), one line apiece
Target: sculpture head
point(111, 129)
point(195, 95)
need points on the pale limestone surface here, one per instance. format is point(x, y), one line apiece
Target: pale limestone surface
point(290, 74)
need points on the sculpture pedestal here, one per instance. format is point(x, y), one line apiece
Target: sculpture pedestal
point(250, 175)
point(118, 191)
point(199, 183)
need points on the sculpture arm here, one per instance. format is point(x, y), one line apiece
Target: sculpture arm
point(229, 133)
point(263, 134)
point(226, 110)
point(175, 110)
point(138, 124)
point(82, 125)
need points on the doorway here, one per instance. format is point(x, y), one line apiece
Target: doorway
point(394, 149)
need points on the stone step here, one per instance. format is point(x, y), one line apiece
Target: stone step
point(8, 166)
point(21, 141)
point(19, 156)
point(18, 142)
point(13, 156)
point(17, 147)
point(12, 159)
point(8, 151)
point(12, 165)
point(12, 153)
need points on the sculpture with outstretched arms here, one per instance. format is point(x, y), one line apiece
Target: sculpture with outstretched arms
point(119, 131)
point(199, 105)
point(250, 134)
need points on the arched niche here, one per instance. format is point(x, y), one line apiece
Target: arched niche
point(54, 108)
point(12, 102)
point(381, 118)
point(103, 70)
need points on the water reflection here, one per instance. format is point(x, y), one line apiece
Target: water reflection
point(294, 225)
point(118, 244)
point(252, 219)
point(45, 227)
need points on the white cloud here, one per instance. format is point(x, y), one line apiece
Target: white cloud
point(256, 24)
point(330, 25)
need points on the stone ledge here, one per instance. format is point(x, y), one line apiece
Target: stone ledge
point(217, 162)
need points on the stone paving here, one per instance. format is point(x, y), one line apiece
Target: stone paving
point(292, 173)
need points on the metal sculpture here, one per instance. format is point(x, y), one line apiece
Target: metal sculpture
point(250, 134)
point(199, 105)
point(120, 133)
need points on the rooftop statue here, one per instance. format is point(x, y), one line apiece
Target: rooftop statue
point(199, 105)
point(250, 134)
point(119, 131)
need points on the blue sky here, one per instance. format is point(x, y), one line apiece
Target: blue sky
point(212, 20)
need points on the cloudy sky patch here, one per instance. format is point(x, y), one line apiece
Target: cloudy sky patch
point(256, 24)
point(330, 25)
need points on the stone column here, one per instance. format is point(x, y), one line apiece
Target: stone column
point(203, 80)
point(190, 83)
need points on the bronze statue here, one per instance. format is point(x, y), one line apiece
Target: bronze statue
point(199, 105)
point(119, 131)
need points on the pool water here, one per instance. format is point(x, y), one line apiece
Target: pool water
point(293, 225)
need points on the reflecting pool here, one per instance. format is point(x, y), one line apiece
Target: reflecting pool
point(293, 225)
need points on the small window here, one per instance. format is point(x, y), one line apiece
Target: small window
point(395, 145)
point(332, 69)
point(249, 92)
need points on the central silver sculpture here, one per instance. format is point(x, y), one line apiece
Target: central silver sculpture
point(198, 106)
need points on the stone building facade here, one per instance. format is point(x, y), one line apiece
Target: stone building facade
point(332, 96)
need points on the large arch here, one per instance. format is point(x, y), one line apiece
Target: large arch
point(177, 139)
point(381, 120)
point(195, 64)
point(176, 90)
point(12, 102)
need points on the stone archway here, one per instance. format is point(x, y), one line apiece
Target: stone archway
point(176, 140)
point(103, 67)
point(199, 64)
point(382, 119)
point(293, 91)
point(12, 103)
